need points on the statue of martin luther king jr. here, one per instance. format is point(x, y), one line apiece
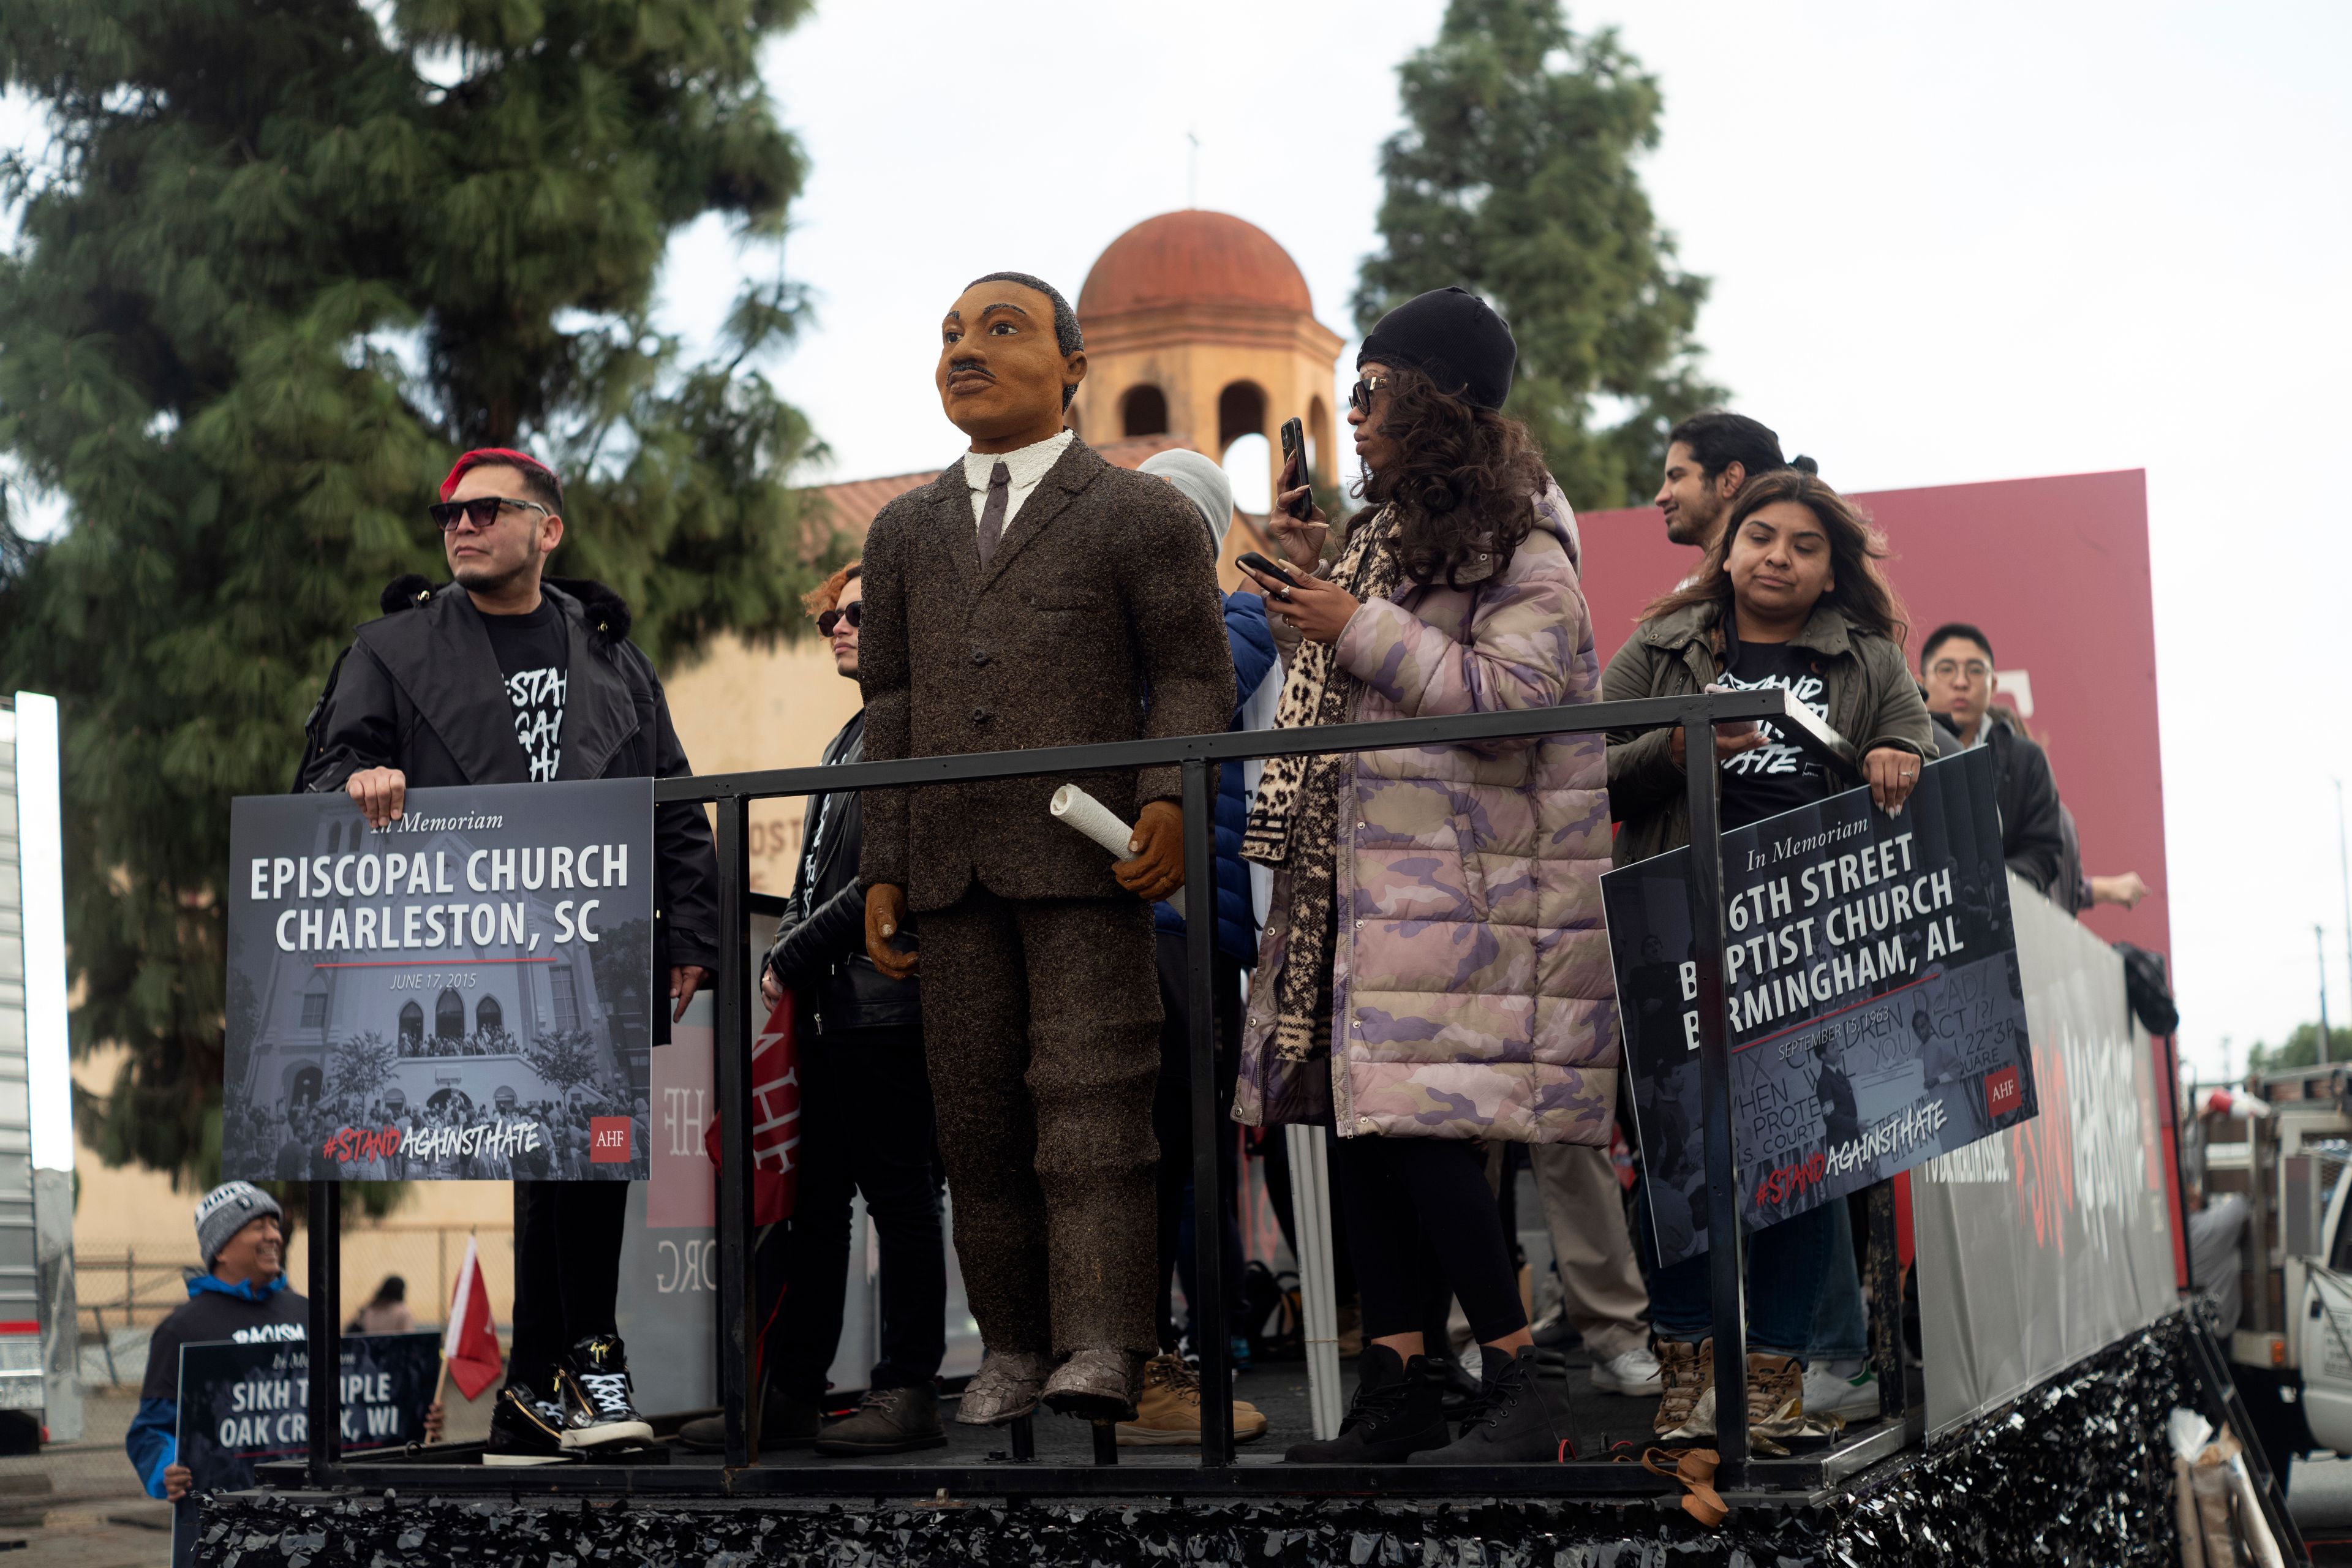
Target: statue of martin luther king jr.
point(1034, 594)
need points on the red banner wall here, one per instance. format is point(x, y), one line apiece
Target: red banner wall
point(2056, 573)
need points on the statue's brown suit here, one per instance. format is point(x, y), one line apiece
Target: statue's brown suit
point(1097, 619)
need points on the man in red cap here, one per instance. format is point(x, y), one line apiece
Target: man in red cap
point(505, 676)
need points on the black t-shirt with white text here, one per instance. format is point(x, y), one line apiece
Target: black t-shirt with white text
point(535, 656)
point(1776, 777)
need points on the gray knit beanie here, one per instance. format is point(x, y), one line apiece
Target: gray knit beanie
point(1200, 480)
point(227, 1209)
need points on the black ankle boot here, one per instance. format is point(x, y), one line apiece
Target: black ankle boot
point(1463, 1394)
point(1523, 1421)
point(1396, 1412)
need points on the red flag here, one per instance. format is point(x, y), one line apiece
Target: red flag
point(470, 1344)
point(775, 1119)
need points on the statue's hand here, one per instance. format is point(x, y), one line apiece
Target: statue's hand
point(886, 916)
point(1158, 868)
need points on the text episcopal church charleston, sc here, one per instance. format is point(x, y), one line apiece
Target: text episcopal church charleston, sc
point(464, 995)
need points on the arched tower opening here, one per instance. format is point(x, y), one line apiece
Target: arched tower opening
point(1143, 411)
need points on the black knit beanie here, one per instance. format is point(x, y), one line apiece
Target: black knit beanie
point(1452, 337)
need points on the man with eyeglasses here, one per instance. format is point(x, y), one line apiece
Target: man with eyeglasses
point(506, 676)
point(1956, 665)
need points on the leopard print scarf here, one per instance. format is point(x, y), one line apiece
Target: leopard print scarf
point(1295, 821)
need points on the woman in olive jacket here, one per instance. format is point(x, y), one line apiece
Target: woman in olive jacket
point(1789, 595)
point(1851, 637)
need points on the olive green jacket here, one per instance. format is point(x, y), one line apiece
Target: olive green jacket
point(1872, 698)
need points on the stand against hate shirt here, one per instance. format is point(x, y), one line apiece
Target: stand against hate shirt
point(535, 657)
point(1776, 777)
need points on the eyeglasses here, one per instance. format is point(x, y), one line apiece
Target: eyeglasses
point(482, 511)
point(1945, 669)
point(1359, 397)
point(853, 612)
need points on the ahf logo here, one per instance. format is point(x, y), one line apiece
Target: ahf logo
point(608, 1139)
point(2001, 1092)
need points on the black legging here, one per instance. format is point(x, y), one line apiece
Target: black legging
point(1421, 1218)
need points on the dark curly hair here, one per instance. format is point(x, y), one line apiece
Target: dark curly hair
point(1466, 485)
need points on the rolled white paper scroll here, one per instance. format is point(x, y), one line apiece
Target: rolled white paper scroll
point(1074, 807)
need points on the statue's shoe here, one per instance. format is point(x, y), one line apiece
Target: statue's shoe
point(1005, 1389)
point(1098, 1385)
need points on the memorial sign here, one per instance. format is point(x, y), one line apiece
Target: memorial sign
point(241, 1404)
point(1876, 1014)
point(464, 994)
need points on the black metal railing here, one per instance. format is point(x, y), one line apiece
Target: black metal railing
point(1196, 755)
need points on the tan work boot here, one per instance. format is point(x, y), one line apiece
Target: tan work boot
point(1776, 1396)
point(1168, 1414)
point(1686, 1406)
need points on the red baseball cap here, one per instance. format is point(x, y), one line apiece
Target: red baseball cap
point(506, 454)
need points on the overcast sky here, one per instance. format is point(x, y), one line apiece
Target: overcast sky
point(1949, 242)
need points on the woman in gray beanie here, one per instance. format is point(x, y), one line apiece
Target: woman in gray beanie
point(1200, 480)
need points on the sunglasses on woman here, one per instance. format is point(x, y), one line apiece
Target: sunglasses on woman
point(1359, 397)
point(853, 613)
point(482, 511)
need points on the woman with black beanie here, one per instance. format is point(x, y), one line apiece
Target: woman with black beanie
point(1435, 971)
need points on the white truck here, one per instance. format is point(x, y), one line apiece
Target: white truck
point(2284, 1139)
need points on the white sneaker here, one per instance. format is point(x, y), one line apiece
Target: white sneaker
point(1635, 1372)
point(1842, 1388)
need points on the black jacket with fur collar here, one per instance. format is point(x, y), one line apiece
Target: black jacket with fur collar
point(420, 690)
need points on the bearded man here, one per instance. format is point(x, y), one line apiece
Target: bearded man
point(1035, 595)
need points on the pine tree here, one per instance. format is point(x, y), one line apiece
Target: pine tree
point(279, 261)
point(1515, 177)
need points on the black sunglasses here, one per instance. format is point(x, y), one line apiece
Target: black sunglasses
point(482, 510)
point(854, 614)
point(1359, 397)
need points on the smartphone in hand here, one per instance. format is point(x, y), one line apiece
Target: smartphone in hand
point(1256, 563)
point(1294, 445)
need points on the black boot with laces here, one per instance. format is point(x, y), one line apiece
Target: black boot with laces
point(1398, 1410)
point(525, 1430)
point(1520, 1421)
point(599, 1410)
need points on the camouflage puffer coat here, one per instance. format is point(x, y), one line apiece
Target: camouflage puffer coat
point(1471, 991)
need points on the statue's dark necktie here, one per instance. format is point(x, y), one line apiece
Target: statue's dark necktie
point(992, 515)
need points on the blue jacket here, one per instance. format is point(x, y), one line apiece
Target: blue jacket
point(1251, 641)
point(215, 1309)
